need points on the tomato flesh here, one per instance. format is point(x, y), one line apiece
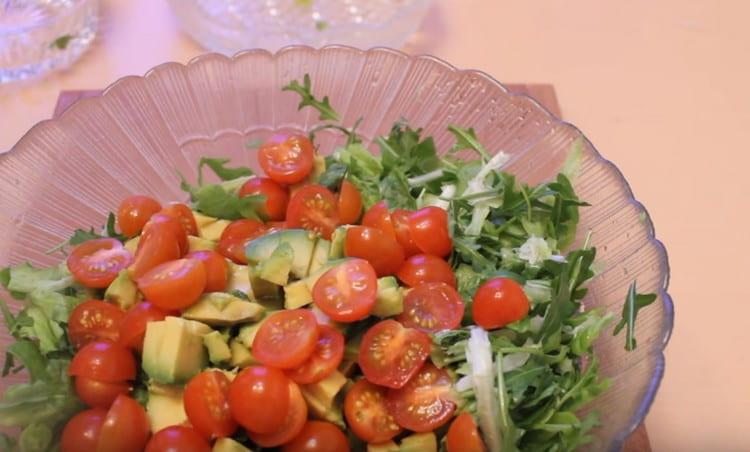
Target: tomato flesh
point(350, 203)
point(126, 427)
point(206, 400)
point(287, 159)
point(234, 238)
point(184, 215)
point(104, 361)
point(172, 223)
point(424, 268)
point(367, 415)
point(174, 285)
point(390, 354)
point(133, 325)
point(318, 436)
point(428, 228)
point(217, 269)
point(277, 197)
point(134, 212)
point(177, 439)
point(400, 220)
point(95, 393)
point(425, 403)
point(81, 433)
point(94, 320)
point(378, 217)
point(381, 250)
point(293, 422)
point(96, 263)
point(328, 353)
point(158, 244)
point(286, 339)
point(432, 307)
point(313, 207)
point(498, 302)
point(463, 435)
point(259, 386)
point(346, 293)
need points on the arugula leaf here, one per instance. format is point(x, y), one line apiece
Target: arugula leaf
point(333, 175)
point(62, 42)
point(82, 235)
point(214, 200)
point(218, 166)
point(633, 303)
point(364, 172)
point(467, 139)
point(404, 149)
point(308, 100)
point(395, 191)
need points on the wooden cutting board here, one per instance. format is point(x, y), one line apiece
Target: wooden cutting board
point(543, 93)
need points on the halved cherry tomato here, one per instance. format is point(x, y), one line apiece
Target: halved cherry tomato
point(346, 293)
point(432, 307)
point(400, 220)
point(206, 401)
point(391, 354)
point(95, 393)
point(378, 217)
point(329, 351)
point(126, 427)
point(293, 423)
point(217, 269)
point(177, 439)
point(367, 415)
point(97, 262)
point(134, 212)
point(104, 361)
point(318, 436)
point(277, 197)
point(286, 339)
point(422, 268)
point(380, 249)
point(350, 203)
point(313, 207)
point(133, 325)
point(175, 284)
point(94, 320)
point(173, 223)
point(159, 243)
point(428, 227)
point(498, 302)
point(184, 215)
point(234, 238)
point(425, 403)
point(463, 435)
point(287, 159)
point(259, 386)
point(81, 433)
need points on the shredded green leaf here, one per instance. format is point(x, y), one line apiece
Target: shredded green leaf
point(634, 302)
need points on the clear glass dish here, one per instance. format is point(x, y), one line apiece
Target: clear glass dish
point(228, 26)
point(69, 172)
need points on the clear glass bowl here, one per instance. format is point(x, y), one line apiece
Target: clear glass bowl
point(69, 172)
point(228, 26)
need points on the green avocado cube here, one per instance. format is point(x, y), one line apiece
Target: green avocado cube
point(173, 350)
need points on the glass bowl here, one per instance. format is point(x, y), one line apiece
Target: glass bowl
point(69, 172)
point(228, 26)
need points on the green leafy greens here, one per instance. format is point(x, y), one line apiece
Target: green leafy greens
point(633, 303)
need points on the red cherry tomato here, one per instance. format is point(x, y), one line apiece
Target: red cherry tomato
point(367, 415)
point(184, 215)
point(346, 293)
point(159, 243)
point(313, 207)
point(423, 268)
point(391, 354)
point(381, 250)
point(318, 436)
point(134, 212)
point(95, 393)
point(126, 427)
point(104, 361)
point(206, 401)
point(217, 269)
point(177, 439)
point(293, 422)
point(234, 238)
point(94, 320)
point(175, 284)
point(259, 386)
point(498, 302)
point(432, 307)
point(428, 227)
point(287, 160)
point(350, 203)
point(425, 403)
point(133, 325)
point(286, 339)
point(174, 223)
point(378, 217)
point(463, 435)
point(277, 197)
point(400, 220)
point(81, 433)
point(328, 353)
point(97, 262)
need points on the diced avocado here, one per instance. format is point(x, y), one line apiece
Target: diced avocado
point(320, 255)
point(301, 241)
point(228, 445)
point(239, 279)
point(218, 349)
point(132, 244)
point(203, 220)
point(200, 244)
point(123, 291)
point(351, 354)
point(276, 268)
point(241, 356)
point(319, 167)
point(212, 231)
point(165, 406)
point(271, 304)
point(173, 349)
point(390, 298)
point(247, 333)
point(219, 308)
point(419, 442)
point(261, 288)
point(321, 398)
point(337, 242)
point(388, 446)
point(297, 295)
